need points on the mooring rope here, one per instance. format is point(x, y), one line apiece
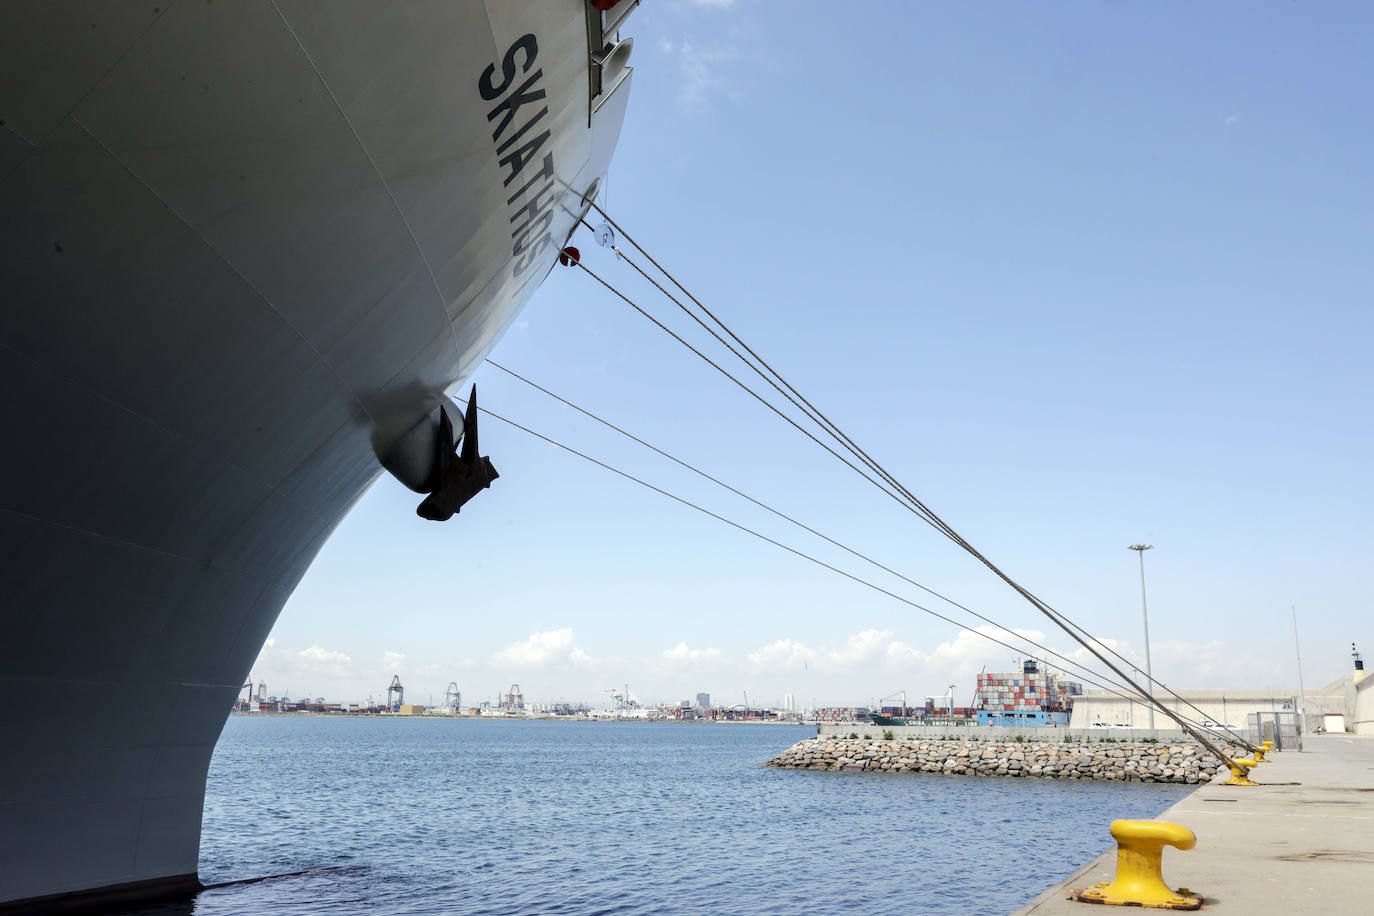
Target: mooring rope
point(902, 495)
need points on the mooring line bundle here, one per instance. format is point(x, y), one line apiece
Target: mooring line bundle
point(1062, 661)
point(871, 471)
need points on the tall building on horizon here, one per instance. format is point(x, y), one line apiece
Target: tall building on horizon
point(704, 700)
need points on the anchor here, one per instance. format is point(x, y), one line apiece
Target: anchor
point(458, 477)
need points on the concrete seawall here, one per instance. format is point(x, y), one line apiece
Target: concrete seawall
point(1130, 762)
point(1046, 733)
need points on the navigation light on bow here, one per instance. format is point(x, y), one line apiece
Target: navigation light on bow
point(458, 477)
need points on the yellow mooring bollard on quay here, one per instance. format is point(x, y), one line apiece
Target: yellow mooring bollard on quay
point(1240, 772)
point(1139, 878)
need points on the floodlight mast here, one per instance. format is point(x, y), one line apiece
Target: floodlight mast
point(1145, 613)
point(1297, 650)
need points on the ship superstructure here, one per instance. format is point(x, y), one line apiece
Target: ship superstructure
point(246, 250)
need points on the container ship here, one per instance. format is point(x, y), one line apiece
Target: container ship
point(1027, 697)
point(249, 247)
point(1016, 698)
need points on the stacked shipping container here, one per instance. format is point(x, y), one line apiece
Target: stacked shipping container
point(1026, 690)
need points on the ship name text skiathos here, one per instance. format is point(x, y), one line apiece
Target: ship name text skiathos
point(517, 149)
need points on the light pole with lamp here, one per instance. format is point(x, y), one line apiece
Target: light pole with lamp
point(1144, 611)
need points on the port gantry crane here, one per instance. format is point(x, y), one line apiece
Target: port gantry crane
point(948, 695)
point(395, 694)
point(452, 698)
point(620, 700)
point(878, 704)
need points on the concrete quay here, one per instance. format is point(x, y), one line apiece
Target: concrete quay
point(1300, 843)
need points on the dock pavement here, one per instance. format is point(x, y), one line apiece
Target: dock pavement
point(1300, 843)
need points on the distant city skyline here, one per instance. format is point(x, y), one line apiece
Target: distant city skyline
point(554, 677)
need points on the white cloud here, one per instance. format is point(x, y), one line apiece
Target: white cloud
point(973, 645)
point(901, 653)
point(783, 654)
point(860, 647)
point(317, 660)
point(1119, 646)
point(320, 656)
point(703, 75)
point(316, 670)
point(862, 650)
point(393, 659)
point(1182, 664)
point(1231, 119)
point(542, 647)
point(682, 653)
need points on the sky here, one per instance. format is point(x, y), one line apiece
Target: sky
point(1081, 276)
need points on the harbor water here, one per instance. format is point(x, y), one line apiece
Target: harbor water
point(427, 816)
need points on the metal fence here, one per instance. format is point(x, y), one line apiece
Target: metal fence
point(1282, 728)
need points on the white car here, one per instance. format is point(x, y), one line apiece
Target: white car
point(1208, 723)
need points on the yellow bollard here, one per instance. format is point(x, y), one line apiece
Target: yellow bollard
point(1240, 772)
point(1268, 746)
point(1139, 880)
point(1259, 755)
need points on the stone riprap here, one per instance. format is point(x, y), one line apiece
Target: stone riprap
point(1185, 763)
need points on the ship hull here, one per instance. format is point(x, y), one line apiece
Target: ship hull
point(244, 248)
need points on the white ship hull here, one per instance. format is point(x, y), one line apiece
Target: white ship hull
point(244, 247)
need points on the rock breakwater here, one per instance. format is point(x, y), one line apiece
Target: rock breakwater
point(1183, 763)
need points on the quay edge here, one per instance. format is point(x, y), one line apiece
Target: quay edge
point(1299, 843)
